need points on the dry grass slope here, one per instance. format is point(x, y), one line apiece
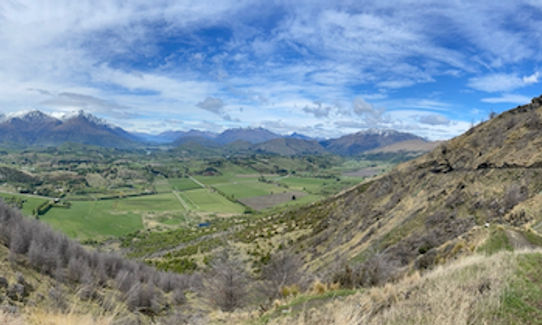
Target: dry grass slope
point(472, 290)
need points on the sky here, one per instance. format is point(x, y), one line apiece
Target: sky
point(321, 68)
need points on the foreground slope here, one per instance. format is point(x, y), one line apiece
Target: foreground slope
point(500, 289)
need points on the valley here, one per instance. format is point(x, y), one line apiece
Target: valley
point(270, 162)
point(336, 226)
point(99, 193)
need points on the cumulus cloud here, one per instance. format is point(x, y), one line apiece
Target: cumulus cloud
point(497, 82)
point(367, 111)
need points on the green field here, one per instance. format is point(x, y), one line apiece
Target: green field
point(218, 179)
point(102, 219)
point(93, 220)
point(161, 185)
point(29, 202)
point(183, 184)
point(204, 200)
point(149, 203)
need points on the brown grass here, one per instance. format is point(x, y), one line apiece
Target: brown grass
point(43, 317)
point(465, 292)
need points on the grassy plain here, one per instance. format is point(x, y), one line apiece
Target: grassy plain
point(29, 202)
point(106, 218)
point(204, 200)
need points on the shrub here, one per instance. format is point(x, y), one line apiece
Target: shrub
point(226, 285)
point(283, 269)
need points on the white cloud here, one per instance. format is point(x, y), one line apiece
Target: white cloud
point(216, 106)
point(318, 110)
point(498, 82)
point(532, 79)
point(275, 60)
point(508, 98)
point(434, 119)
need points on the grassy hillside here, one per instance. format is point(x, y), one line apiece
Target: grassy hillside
point(498, 289)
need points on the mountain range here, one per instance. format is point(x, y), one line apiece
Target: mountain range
point(39, 129)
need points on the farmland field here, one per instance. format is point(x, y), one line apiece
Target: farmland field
point(91, 219)
point(183, 184)
point(29, 202)
point(203, 200)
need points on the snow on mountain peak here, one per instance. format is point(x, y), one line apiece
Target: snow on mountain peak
point(87, 116)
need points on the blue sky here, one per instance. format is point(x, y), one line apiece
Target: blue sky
point(323, 68)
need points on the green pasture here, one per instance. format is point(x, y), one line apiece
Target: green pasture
point(105, 218)
point(204, 200)
point(183, 184)
point(29, 202)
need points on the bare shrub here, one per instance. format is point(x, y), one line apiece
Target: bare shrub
point(178, 297)
point(58, 296)
point(76, 269)
point(20, 238)
point(54, 254)
point(283, 269)
point(377, 270)
point(125, 281)
point(226, 285)
point(145, 298)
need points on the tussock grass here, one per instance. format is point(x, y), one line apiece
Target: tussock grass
point(477, 289)
point(48, 318)
point(43, 317)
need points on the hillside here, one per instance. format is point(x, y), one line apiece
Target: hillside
point(480, 289)
point(46, 278)
point(423, 208)
point(416, 145)
point(416, 214)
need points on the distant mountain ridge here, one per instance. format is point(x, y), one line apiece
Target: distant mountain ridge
point(36, 128)
point(252, 135)
point(357, 143)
